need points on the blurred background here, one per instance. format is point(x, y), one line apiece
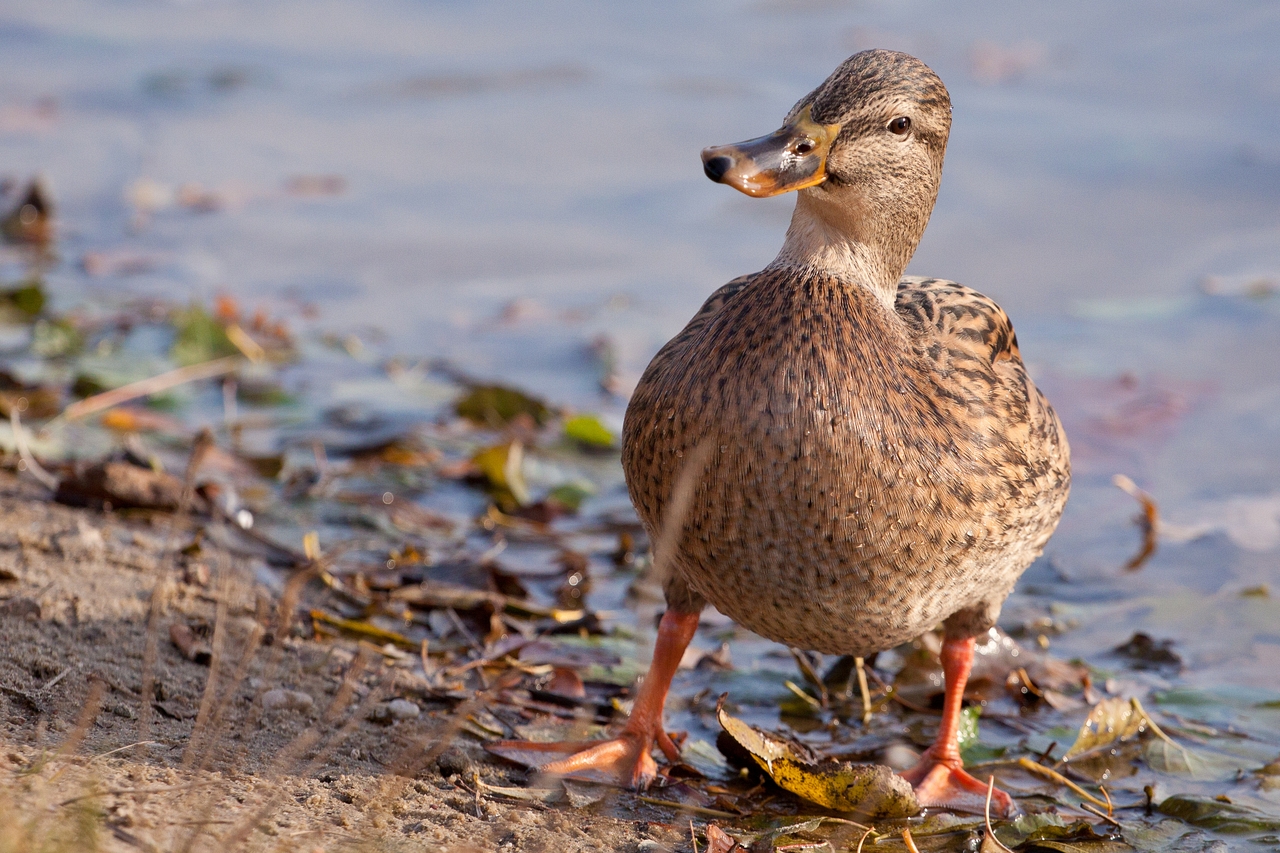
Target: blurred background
point(516, 187)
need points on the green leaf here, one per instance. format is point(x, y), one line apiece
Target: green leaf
point(571, 495)
point(28, 298)
point(589, 430)
point(1217, 815)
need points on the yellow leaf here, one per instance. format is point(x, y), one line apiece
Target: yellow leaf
point(868, 789)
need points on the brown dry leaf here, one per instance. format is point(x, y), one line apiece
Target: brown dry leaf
point(192, 648)
point(122, 485)
point(719, 841)
point(868, 789)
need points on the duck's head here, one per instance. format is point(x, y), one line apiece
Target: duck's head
point(865, 152)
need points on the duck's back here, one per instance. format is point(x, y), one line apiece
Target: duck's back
point(866, 472)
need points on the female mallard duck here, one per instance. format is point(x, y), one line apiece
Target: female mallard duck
point(835, 457)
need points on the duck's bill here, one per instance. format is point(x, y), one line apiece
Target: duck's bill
point(791, 158)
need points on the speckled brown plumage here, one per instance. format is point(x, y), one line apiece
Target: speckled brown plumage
point(870, 473)
point(869, 470)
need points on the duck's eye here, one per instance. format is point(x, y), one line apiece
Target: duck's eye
point(900, 125)
point(803, 147)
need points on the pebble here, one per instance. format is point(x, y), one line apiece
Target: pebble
point(403, 709)
point(395, 711)
point(453, 762)
point(280, 699)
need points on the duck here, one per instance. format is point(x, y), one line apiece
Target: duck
point(835, 456)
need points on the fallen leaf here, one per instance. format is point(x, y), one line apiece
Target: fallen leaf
point(497, 405)
point(589, 430)
point(1217, 814)
point(501, 466)
point(719, 841)
point(868, 789)
point(365, 630)
point(1117, 721)
point(122, 485)
point(192, 648)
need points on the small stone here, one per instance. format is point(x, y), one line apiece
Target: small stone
point(20, 608)
point(280, 699)
point(454, 762)
point(403, 709)
point(394, 711)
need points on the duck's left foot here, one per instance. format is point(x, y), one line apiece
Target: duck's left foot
point(946, 784)
point(939, 777)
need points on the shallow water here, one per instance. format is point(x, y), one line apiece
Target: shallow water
point(517, 183)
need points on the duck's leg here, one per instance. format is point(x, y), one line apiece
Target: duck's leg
point(939, 777)
point(625, 760)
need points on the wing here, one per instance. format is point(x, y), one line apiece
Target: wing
point(970, 348)
point(957, 317)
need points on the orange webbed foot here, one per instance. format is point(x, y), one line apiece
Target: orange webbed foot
point(625, 760)
point(946, 784)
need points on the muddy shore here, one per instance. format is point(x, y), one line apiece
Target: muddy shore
point(287, 747)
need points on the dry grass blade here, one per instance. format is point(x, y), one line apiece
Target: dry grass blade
point(88, 713)
point(1053, 775)
point(861, 666)
point(152, 385)
point(211, 682)
point(907, 840)
point(991, 834)
point(289, 757)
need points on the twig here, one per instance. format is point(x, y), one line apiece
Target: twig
point(907, 840)
point(1148, 521)
point(121, 749)
point(863, 840)
point(53, 681)
point(152, 385)
point(1096, 811)
point(1053, 775)
point(693, 839)
point(682, 807)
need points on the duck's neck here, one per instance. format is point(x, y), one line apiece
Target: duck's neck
point(841, 241)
